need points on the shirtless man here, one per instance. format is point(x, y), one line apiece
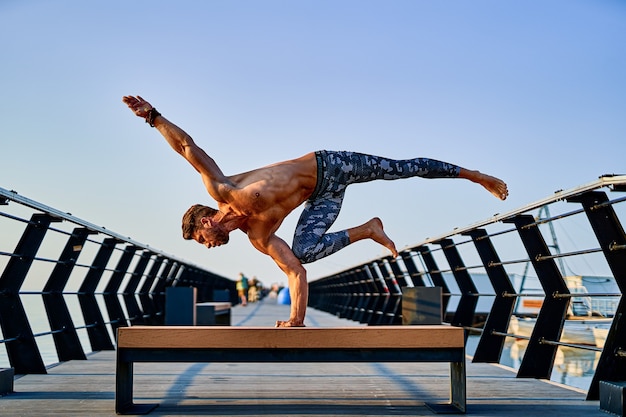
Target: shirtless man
point(256, 202)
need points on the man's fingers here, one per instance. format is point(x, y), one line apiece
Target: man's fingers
point(129, 100)
point(134, 102)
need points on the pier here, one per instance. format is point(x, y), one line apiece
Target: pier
point(86, 387)
point(59, 315)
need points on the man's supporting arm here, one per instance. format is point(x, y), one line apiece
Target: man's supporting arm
point(282, 254)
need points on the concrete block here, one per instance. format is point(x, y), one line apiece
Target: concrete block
point(180, 306)
point(421, 305)
point(6, 380)
point(612, 399)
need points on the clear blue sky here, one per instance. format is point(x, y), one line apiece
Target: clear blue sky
point(531, 91)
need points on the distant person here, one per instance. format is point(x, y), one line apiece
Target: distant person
point(256, 202)
point(242, 289)
point(273, 292)
point(253, 290)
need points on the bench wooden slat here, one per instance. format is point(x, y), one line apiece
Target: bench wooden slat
point(377, 337)
point(217, 305)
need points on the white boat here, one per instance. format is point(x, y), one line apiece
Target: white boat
point(588, 320)
point(579, 331)
point(600, 333)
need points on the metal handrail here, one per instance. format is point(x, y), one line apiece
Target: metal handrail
point(602, 182)
point(10, 195)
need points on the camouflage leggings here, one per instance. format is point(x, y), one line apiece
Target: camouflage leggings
point(337, 170)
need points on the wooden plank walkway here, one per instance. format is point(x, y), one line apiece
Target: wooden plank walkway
point(86, 388)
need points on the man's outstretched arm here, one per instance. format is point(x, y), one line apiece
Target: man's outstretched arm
point(183, 144)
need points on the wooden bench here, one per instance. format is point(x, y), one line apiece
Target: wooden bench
point(431, 343)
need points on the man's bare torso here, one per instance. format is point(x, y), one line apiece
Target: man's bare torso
point(261, 199)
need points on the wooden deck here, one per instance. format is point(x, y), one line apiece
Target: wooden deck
point(86, 388)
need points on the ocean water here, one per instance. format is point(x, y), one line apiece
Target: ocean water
point(572, 367)
point(35, 311)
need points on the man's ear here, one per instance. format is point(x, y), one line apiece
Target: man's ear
point(205, 220)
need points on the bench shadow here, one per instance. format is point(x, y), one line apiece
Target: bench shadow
point(264, 409)
point(59, 395)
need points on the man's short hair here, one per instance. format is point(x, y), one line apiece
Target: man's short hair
point(191, 219)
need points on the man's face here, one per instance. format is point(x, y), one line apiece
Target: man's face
point(211, 235)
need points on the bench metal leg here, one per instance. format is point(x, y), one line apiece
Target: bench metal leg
point(124, 391)
point(458, 398)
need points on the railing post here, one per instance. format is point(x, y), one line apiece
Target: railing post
point(381, 297)
point(171, 277)
point(96, 329)
point(610, 234)
point(158, 292)
point(111, 291)
point(416, 276)
point(397, 283)
point(353, 294)
point(135, 315)
point(148, 304)
point(361, 290)
point(23, 352)
point(393, 312)
point(538, 360)
point(148, 283)
point(331, 295)
point(490, 346)
point(464, 315)
point(349, 294)
point(374, 296)
point(398, 274)
point(67, 343)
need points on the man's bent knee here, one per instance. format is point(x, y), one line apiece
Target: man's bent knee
point(303, 256)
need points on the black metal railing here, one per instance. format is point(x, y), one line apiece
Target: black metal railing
point(499, 250)
point(100, 281)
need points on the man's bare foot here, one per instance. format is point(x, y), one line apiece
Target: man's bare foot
point(494, 185)
point(372, 229)
point(377, 234)
point(281, 323)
